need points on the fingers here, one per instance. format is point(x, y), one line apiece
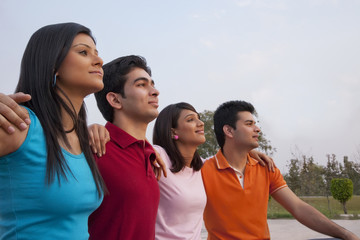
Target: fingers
point(158, 173)
point(20, 97)
point(104, 138)
point(272, 165)
point(12, 113)
point(262, 163)
point(163, 168)
point(160, 163)
point(99, 136)
point(159, 166)
point(92, 141)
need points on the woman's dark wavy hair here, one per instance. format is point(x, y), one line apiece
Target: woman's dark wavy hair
point(44, 54)
point(162, 136)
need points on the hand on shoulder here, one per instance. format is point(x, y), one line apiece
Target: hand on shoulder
point(11, 142)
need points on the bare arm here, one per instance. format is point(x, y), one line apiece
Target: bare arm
point(11, 114)
point(309, 216)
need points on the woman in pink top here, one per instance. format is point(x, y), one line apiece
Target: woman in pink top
point(178, 131)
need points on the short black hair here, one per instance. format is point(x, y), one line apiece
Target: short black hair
point(114, 81)
point(226, 114)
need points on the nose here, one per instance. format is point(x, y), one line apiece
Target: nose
point(98, 61)
point(200, 123)
point(257, 129)
point(154, 91)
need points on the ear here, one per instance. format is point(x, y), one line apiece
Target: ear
point(228, 131)
point(114, 100)
point(173, 132)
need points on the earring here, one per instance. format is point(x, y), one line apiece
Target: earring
point(176, 137)
point(54, 82)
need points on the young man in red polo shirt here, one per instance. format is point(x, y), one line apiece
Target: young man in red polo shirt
point(129, 101)
point(238, 189)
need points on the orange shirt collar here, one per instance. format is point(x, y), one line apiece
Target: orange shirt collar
point(221, 162)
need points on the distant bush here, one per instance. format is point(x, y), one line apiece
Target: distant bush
point(342, 190)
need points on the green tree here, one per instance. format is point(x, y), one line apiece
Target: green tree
point(342, 190)
point(311, 174)
point(265, 145)
point(332, 170)
point(351, 170)
point(292, 178)
point(210, 147)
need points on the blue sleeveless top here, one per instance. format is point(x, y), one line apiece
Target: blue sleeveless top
point(32, 209)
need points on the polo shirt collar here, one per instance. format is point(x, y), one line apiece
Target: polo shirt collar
point(222, 163)
point(119, 136)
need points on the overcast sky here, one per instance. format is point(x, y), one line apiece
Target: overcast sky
point(298, 62)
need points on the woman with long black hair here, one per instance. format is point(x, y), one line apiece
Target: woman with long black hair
point(49, 182)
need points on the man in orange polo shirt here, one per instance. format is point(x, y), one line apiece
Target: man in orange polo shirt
point(238, 188)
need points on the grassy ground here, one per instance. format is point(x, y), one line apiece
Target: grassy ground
point(275, 210)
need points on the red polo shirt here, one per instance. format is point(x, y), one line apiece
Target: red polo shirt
point(129, 210)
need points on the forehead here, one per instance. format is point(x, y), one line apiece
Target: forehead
point(135, 74)
point(244, 116)
point(83, 38)
point(186, 112)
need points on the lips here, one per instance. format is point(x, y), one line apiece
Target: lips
point(97, 73)
point(154, 103)
point(200, 131)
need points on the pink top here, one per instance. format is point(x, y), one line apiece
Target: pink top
point(182, 203)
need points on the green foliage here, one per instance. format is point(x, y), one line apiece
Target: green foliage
point(210, 147)
point(342, 190)
point(265, 145)
point(351, 170)
point(332, 170)
point(305, 177)
point(292, 178)
point(311, 177)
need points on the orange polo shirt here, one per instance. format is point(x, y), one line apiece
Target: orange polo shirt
point(233, 212)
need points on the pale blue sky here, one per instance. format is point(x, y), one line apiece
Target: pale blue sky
point(296, 61)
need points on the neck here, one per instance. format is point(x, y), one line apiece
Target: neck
point(187, 152)
point(74, 105)
point(236, 156)
point(136, 129)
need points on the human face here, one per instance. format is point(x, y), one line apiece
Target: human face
point(246, 134)
point(81, 73)
point(141, 97)
point(190, 129)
